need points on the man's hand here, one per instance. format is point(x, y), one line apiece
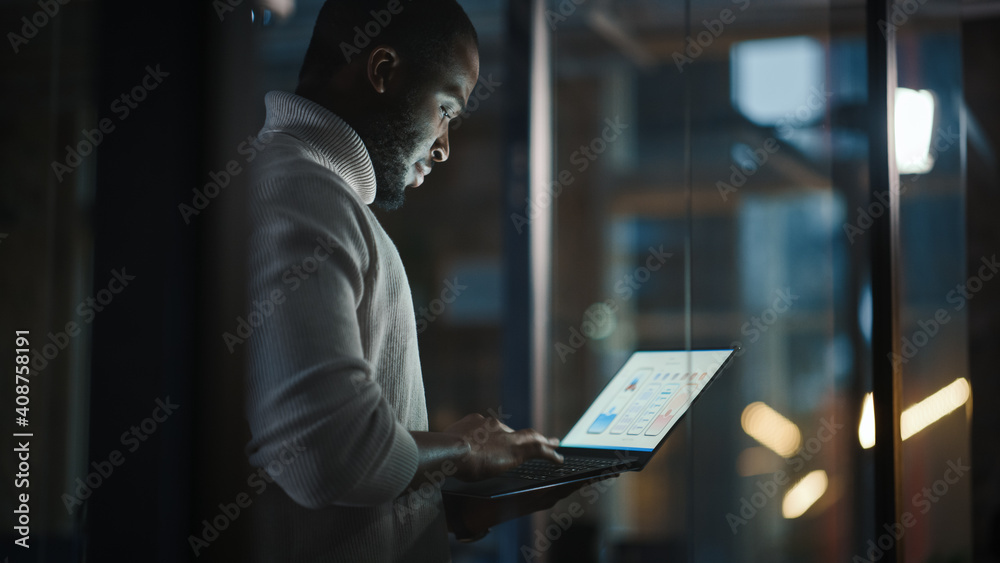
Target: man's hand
point(470, 518)
point(496, 448)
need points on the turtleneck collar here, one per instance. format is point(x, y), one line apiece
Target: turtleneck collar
point(328, 133)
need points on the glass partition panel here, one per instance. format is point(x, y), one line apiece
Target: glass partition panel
point(773, 456)
point(935, 290)
point(710, 189)
point(713, 159)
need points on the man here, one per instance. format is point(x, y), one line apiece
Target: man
point(335, 393)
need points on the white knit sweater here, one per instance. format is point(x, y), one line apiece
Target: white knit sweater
point(334, 374)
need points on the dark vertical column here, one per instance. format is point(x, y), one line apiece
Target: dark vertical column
point(517, 334)
point(884, 179)
point(220, 431)
point(517, 220)
point(980, 43)
point(143, 343)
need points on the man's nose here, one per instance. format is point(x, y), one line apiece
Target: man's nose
point(439, 152)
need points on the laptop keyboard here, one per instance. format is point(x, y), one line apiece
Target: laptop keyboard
point(541, 469)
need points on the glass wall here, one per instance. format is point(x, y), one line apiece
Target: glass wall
point(709, 188)
point(935, 290)
point(718, 163)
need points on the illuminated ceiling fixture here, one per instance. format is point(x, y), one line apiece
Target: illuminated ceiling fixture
point(804, 494)
point(931, 409)
point(914, 126)
point(866, 428)
point(771, 429)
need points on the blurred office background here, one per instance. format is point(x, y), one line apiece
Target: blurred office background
point(636, 174)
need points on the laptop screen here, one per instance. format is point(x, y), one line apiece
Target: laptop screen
point(644, 400)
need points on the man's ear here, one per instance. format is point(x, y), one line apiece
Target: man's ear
point(383, 67)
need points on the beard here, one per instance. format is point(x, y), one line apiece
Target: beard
point(392, 137)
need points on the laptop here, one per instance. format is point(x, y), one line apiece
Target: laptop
point(622, 428)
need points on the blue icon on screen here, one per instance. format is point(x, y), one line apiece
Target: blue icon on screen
point(602, 422)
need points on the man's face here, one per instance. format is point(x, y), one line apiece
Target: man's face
point(411, 134)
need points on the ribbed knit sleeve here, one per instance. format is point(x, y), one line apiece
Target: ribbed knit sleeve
point(311, 389)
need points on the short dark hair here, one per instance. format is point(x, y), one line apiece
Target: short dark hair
point(423, 31)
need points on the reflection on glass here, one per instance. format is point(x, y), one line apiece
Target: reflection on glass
point(771, 429)
point(745, 163)
point(933, 408)
point(914, 125)
point(866, 428)
point(804, 494)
